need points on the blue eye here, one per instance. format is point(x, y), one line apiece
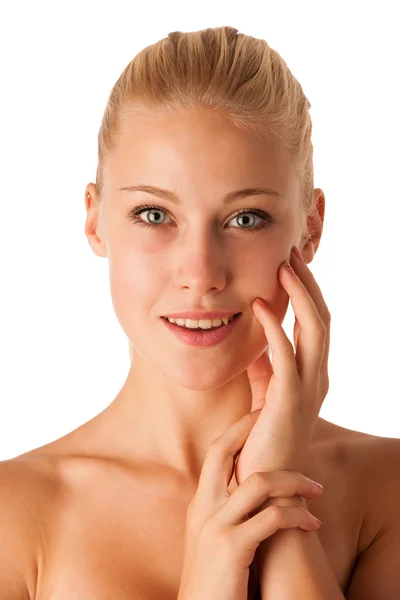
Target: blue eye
point(266, 219)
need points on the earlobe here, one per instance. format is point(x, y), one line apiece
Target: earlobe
point(94, 240)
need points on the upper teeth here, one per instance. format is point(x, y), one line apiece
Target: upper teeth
point(203, 323)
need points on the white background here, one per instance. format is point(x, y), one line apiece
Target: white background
point(63, 353)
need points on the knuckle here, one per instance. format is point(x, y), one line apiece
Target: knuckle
point(320, 332)
point(276, 513)
point(257, 478)
point(287, 350)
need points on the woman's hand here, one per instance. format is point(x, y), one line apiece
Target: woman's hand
point(290, 394)
point(220, 538)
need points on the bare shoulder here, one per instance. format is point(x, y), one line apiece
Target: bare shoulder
point(370, 459)
point(26, 488)
point(354, 444)
point(377, 470)
point(372, 467)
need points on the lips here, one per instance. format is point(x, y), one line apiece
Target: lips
point(203, 337)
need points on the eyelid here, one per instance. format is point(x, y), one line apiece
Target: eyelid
point(143, 207)
point(266, 219)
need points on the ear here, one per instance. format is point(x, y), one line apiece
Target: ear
point(315, 224)
point(92, 224)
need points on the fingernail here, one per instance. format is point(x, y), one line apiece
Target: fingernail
point(318, 521)
point(318, 485)
point(289, 268)
point(261, 302)
point(297, 253)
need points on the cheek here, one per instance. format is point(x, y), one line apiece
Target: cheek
point(262, 280)
point(135, 282)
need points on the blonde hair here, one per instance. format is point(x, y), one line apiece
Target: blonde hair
point(227, 72)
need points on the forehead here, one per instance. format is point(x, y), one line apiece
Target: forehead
point(197, 149)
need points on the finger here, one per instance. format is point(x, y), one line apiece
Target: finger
point(268, 521)
point(259, 487)
point(259, 374)
point(219, 463)
point(283, 358)
point(312, 332)
point(306, 276)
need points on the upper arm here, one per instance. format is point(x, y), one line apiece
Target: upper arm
point(16, 539)
point(376, 575)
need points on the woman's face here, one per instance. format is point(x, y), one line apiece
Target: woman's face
point(197, 252)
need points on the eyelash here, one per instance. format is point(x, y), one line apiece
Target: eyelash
point(134, 213)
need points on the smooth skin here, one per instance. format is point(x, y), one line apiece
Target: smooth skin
point(101, 511)
point(218, 520)
point(291, 391)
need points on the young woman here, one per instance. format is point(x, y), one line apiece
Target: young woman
point(196, 482)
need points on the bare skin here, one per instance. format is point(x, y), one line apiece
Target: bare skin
point(100, 513)
point(113, 528)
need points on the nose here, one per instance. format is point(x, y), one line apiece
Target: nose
point(202, 269)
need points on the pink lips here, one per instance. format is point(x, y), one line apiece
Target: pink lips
point(202, 338)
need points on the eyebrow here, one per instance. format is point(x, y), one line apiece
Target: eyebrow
point(227, 199)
